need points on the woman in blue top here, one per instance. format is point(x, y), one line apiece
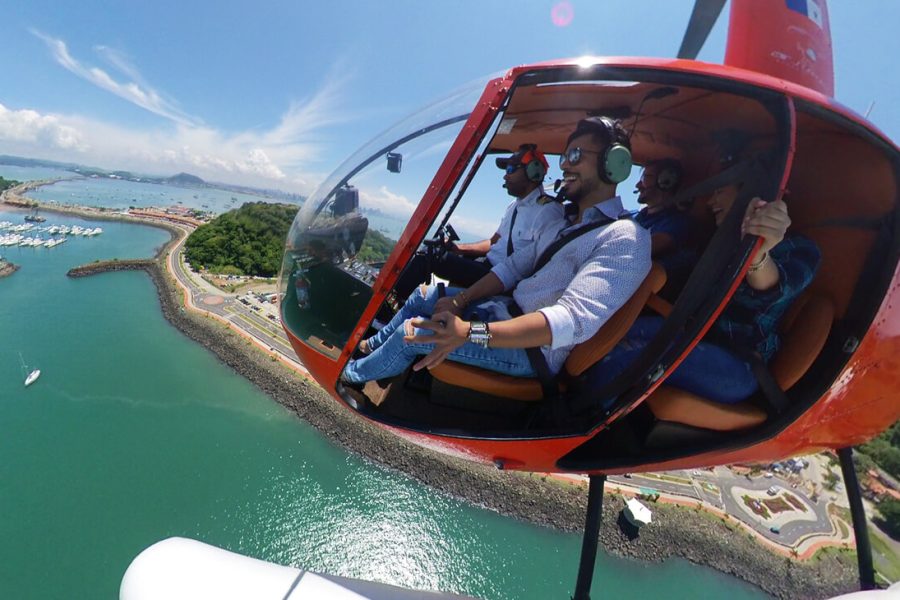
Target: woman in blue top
point(783, 268)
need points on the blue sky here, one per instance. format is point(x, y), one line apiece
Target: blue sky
point(279, 93)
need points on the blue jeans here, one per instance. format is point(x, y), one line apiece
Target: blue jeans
point(708, 371)
point(391, 354)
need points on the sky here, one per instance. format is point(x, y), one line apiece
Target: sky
point(277, 94)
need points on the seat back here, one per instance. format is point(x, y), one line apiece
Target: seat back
point(589, 352)
point(804, 329)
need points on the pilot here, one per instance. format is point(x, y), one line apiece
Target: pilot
point(564, 286)
point(531, 211)
point(720, 366)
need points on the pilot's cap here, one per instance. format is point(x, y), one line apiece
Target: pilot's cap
point(524, 155)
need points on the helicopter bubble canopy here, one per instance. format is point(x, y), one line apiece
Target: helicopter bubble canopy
point(346, 229)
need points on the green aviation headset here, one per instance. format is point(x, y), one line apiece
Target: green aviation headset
point(613, 165)
point(533, 161)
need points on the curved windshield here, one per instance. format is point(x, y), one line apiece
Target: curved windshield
point(348, 227)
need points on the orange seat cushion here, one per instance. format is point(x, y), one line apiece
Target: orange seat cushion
point(581, 357)
point(678, 406)
point(805, 329)
point(488, 382)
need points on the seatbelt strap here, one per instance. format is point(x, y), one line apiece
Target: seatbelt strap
point(558, 244)
point(512, 223)
point(775, 397)
point(549, 384)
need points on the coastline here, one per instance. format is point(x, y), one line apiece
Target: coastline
point(677, 531)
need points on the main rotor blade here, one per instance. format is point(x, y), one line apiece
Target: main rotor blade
point(703, 17)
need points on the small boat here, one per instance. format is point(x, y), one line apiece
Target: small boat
point(32, 377)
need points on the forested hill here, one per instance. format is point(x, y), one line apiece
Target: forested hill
point(245, 241)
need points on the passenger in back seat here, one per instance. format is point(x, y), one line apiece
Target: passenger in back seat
point(782, 269)
point(667, 221)
point(565, 293)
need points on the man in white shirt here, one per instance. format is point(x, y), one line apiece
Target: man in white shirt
point(531, 212)
point(525, 216)
point(566, 284)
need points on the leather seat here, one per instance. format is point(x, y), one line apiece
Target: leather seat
point(804, 329)
point(582, 356)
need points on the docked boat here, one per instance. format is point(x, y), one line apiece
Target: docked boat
point(32, 377)
point(636, 513)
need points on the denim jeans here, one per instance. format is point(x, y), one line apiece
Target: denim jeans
point(708, 371)
point(391, 354)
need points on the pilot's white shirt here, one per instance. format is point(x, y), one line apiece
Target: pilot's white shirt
point(531, 218)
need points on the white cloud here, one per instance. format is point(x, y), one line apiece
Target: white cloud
point(286, 155)
point(28, 127)
point(387, 202)
point(243, 158)
point(136, 92)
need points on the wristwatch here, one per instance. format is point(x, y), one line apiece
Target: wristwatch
point(479, 333)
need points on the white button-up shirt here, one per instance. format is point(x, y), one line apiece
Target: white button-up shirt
point(585, 282)
point(532, 217)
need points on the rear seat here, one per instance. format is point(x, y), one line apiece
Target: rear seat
point(804, 330)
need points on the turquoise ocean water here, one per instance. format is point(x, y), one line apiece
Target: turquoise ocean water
point(133, 433)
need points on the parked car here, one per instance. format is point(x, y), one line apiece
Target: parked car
point(775, 529)
point(772, 491)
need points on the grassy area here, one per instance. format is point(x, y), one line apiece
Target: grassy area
point(669, 478)
point(709, 487)
point(887, 563)
point(844, 529)
point(844, 555)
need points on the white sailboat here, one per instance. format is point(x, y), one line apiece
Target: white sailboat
point(32, 377)
point(33, 374)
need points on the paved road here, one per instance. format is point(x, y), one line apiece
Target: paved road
point(257, 319)
point(715, 488)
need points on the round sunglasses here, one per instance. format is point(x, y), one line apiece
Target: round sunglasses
point(572, 156)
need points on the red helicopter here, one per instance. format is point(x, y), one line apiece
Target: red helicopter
point(834, 382)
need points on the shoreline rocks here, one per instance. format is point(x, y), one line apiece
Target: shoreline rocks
point(677, 532)
point(7, 268)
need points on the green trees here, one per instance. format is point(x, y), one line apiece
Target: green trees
point(376, 247)
point(5, 184)
point(890, 513)
point(248, 240)
point(885, 450)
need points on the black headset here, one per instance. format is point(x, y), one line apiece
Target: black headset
point(614, 164)
point(669, 173)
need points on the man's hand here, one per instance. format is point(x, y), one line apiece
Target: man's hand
point(768, 220)
point(447, 304)
point(450, 332)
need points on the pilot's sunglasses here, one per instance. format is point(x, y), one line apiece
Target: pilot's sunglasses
point(573, 156)
point(510, 169)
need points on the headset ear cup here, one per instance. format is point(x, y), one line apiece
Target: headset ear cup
point(617, 164)
point(667, 179)
point(534, 170)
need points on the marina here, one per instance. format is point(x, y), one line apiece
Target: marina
point(28, 235)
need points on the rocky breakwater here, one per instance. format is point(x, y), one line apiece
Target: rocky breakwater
point(7, 268)
point(15, 196)
point(103, 266)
